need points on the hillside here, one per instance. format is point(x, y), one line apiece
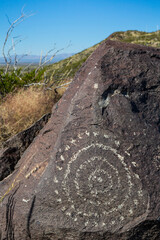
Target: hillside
point(66, 69)
point(20, 109)
point(137, 37)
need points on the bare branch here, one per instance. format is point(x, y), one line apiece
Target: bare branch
point(26, 68)
point(40, 60)
point(22, 9)
point(8, 19)
point(15, 55)
point(44, 59)
point(48, 60)
point(62, 85)
point(22, 56)
point(9, 32)
point(47, 88)
point(35, 84)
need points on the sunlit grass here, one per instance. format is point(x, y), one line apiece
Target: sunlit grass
point(20, 110)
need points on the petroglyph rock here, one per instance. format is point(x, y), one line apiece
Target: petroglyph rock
point(93, 171)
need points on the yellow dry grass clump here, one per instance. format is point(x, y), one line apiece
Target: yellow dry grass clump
point(20, 110)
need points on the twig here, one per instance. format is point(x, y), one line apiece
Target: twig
point(13, 24)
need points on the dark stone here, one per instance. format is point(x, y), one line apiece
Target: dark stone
point(12, 149)
point(93, 171)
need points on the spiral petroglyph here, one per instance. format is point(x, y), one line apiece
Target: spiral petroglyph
point(96, 182)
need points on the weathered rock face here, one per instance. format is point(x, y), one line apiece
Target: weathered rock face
point(12, 150)
point(93, 171)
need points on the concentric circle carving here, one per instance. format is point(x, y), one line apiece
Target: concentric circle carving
point(96, 182)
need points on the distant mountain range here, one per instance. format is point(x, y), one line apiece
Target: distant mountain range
point(35, 58)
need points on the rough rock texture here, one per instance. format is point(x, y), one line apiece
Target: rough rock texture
point(12, 149)
point(93, 171)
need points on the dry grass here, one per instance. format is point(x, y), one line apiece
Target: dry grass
point(20, 110)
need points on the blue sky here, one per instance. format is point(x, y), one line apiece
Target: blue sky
point(83, 22)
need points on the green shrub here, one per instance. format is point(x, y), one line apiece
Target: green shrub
point(15, 79)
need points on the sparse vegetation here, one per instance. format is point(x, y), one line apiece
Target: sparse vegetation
point(65, 70)
point(15, 79)
point(22, 107)
point(23, 89)
point(137, 37)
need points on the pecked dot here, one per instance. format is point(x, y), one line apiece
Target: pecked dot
point(112, 185)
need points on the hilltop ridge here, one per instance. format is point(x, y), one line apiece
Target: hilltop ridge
point(66, 69)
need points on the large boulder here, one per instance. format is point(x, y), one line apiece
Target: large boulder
point(12, 150)
point(93, 172)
